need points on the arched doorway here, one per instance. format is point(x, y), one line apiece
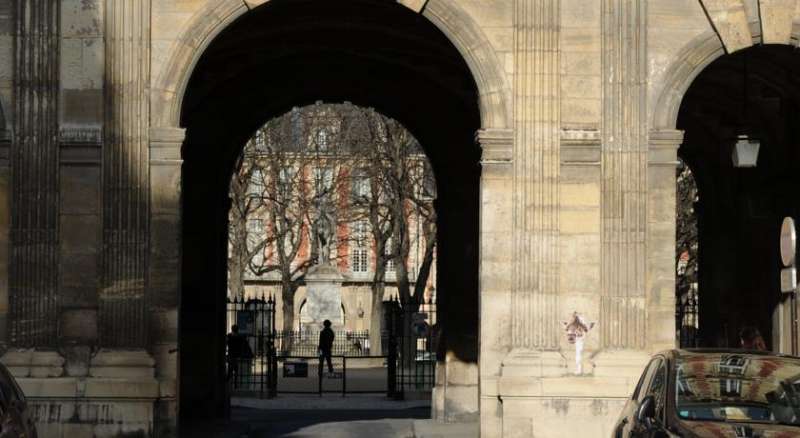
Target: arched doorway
point(739, 100)
point(285, 53)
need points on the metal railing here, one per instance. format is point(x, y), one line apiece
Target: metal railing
point(270, 358)
point(304, 343)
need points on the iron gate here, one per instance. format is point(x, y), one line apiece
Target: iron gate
point(412, 333)
point(413, 339)
point(250, 354)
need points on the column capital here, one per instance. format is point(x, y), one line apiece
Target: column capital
point(165, 144)
point(581, 146)
point(497, 145)
point(663, 146)
point(167, 134)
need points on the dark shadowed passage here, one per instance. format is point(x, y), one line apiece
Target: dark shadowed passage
point(291, 53)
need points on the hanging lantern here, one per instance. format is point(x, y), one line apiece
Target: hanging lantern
point(745, 152)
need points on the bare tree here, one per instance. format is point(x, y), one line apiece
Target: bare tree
point(294, 166)
point(369, 166)
point(400, 184)
point(242, 207)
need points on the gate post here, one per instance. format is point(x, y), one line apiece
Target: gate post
point(391, 372)
point(272, 356)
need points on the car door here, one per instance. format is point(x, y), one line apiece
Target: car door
point(628, 417)
point(656, 388)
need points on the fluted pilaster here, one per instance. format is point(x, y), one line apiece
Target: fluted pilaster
point(624, 174)
point(34, 161)
point(123, 299)
point(536, 168)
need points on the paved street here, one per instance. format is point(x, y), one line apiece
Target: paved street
point(328, 417)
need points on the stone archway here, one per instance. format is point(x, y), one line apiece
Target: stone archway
point(688, 63)
point(447, 15)
point(176, 86)
point(677, 126)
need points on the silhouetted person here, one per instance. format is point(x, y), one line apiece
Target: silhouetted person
point(238, 351)
point(326, 345)
point(751, 339)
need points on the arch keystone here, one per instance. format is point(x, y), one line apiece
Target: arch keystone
point(456, 24)
point(729, 19)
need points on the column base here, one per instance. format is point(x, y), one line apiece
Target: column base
point(540, 395)
point(119, 397)
point(33, 363)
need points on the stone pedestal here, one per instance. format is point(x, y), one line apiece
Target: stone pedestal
point(542, 396)
point(32, 363)
point(324, 298)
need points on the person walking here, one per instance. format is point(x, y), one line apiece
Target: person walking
point(325, 346)
point(238, 352)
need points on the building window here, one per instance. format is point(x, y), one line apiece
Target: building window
point(260, 141)
point(323, 180)
point(359, 253)
point(322, 139)
point(255, 237)
point(390, 265)
point(255, 187)
point(361, 188)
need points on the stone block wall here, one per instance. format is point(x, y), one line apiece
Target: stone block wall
point(578, 103)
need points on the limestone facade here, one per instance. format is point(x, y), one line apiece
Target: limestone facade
point(578, 104)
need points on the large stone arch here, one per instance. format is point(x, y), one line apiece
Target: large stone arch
point(186, 93)
point(692, 59)
point(689, 62)
point(447, 15)
point(665, 135)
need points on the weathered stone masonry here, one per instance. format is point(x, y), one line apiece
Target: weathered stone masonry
point(578, 107)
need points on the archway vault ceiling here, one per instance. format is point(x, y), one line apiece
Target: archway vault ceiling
point(377, 54)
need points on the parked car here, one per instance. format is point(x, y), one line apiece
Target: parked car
point(714, 393)
point(15, 418)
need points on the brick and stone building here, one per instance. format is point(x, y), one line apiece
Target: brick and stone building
point(552, 125)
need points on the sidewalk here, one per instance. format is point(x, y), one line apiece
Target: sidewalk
point(353, 402)
point(329, 417)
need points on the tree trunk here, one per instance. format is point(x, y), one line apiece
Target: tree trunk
point(237, 262)
point(376, 319)
point(424, 270)
point(287, 294)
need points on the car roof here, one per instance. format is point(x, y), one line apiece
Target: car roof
point(685, 352)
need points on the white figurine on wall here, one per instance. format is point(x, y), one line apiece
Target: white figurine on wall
point(576, 329)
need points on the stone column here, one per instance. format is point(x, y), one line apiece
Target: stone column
point(496, 224)
point(622, 319)
point(661, 215)
point(165, 268)
point(536, 169)
point(79, 247)
point(123, 312)
point(33, 276)
point(535, 288)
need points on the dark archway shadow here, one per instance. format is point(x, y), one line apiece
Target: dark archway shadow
point(756, 92)
point(289, 53)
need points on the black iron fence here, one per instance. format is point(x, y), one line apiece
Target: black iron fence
point(262, 361)
point(250, 348)
point(686, 320)
point(304, 343)
point(413, 342)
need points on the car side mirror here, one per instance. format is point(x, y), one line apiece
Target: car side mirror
point(646, 413)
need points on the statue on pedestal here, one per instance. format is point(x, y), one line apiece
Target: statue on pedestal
point(324, 226)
